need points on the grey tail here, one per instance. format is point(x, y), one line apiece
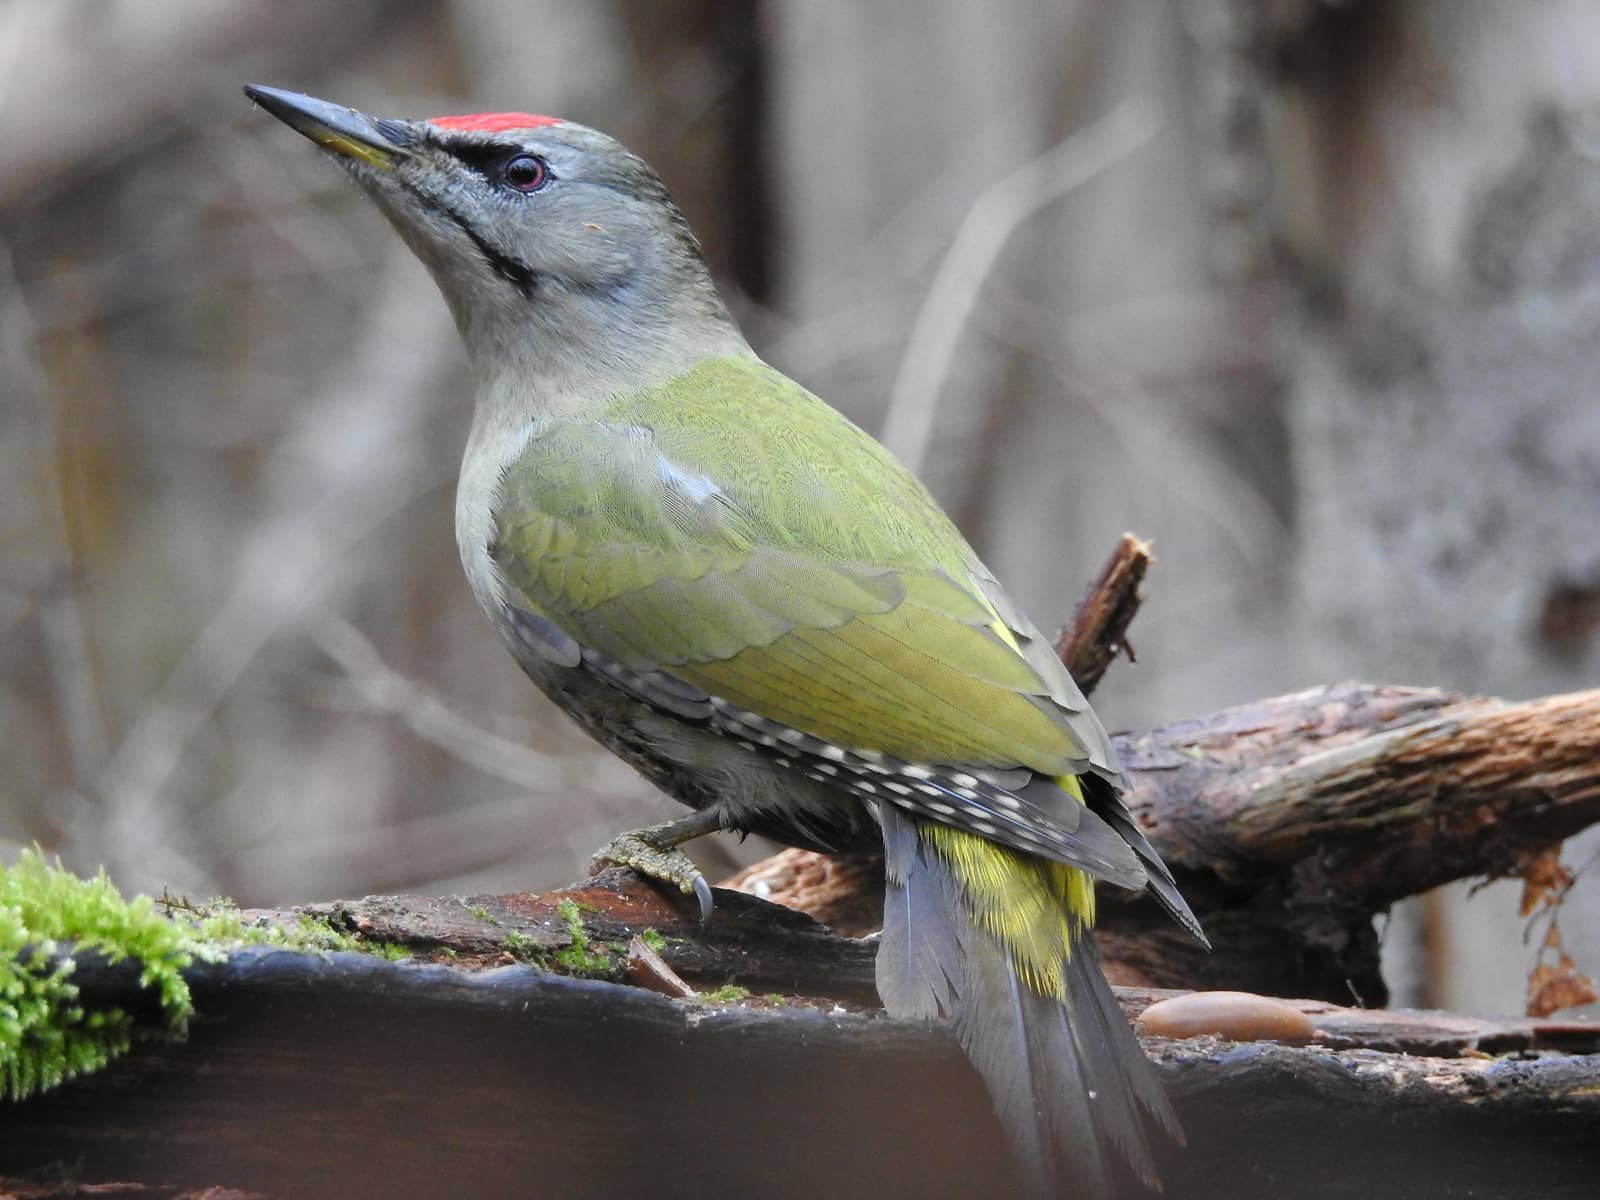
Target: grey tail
point(1106, 803)
point(1068, 1080)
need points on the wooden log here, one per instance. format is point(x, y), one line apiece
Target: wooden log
point(1292, 822)
point(346, 1074)
point(1295, 820)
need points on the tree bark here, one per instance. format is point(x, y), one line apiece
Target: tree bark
point(1292, 822)
point(345, 1074)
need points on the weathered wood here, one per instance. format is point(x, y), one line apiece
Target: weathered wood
point(344, 1074)
point(67, 1189)
point(1292, 821)
point(845, 891)
point(760, 946)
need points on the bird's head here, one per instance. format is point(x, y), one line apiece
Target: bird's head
point(545, 236)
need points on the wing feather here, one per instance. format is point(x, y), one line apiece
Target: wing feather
point(776, 561)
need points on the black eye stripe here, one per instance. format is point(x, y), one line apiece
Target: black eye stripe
point(518, 274)
point(491, 160)
point(515, 272)
point(480, 156)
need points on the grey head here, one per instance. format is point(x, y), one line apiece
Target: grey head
point(557, 249)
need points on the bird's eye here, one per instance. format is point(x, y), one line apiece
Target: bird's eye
point(525, 172)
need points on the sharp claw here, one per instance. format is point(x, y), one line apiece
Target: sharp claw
point(702, 893)
point(665, 864)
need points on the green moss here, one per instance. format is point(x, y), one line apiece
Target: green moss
point(319, 933)
point(220, 924)
point(524, 947)
point(572, 917)
point(579, 957)
point(653, 939)
point(47, 915)
point(481, 913)
point(726, 994)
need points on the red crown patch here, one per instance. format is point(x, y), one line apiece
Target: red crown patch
point(492, 122)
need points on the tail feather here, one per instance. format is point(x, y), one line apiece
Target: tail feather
point(1109, 1051)
point(1011, 1049)
point(1106, 804)
point(1067, 1077)
point(1067, 1099)
point(919, 962)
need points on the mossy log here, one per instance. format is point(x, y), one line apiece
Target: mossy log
point(351, 1075)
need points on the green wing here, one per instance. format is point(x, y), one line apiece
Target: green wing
point(731, 532)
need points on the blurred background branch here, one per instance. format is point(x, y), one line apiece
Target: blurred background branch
point(984, 230)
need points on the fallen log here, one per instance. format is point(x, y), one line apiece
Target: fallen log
point(346, 1074)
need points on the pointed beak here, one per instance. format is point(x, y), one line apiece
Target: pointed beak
point(378, 143)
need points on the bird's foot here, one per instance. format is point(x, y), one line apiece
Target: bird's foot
point(655, 854)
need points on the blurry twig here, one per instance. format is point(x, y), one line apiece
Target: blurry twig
point(385, 690)
point(1153, 432)
point(56, 597)
point(831, 337)
point(1098, 631)
point(141, 62)
point(983, 233)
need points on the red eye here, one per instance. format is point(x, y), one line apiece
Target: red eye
point(525, 172)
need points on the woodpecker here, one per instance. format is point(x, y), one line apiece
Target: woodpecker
point(752, 602)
